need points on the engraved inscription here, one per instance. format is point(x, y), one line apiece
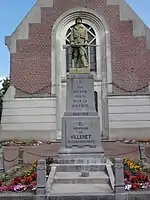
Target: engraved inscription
point(80, 113)
point(80, 96)
point(80, 132)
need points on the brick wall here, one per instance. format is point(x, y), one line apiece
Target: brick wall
point(31, 64)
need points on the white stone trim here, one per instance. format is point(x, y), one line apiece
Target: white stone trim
point(28, 118)
point(149, 86)
point(58, 71)
point(10, 94)
point(21, 32)
point(126, 13)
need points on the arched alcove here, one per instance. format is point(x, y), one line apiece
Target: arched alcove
point(103, 60)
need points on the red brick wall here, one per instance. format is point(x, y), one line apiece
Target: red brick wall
point(31, 64)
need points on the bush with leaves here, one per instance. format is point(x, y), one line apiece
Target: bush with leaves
point(5, 85)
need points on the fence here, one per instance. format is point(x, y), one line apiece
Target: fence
point(144, 156)
point(24, 155)
point(19, 157)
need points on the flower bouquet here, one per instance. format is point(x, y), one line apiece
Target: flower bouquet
point(135, 178)
point(25, 181)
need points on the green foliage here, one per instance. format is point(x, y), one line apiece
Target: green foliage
point(4, 177)
point(146, 169)
point(5, 85)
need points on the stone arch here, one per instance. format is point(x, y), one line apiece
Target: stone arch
point(58, 70)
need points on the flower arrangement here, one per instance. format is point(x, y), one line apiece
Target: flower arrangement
point(21, 143)
point(25, 181)
point(134, 175)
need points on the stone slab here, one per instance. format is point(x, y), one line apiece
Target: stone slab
point(81, 114)
point(122, 196)
point(81, 131)
point(79, 189)
point(78, 167)
point(80, 93)
point(84, 196)
point(81, 158)
point(77, 178)
point(80, 70)
point(138, 195)
point(17, 196)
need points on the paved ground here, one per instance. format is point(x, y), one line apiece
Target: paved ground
point(36, 152)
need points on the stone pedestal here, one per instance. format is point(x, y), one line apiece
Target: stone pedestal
point(41, 180)
point(82, 169)
point(81, 136)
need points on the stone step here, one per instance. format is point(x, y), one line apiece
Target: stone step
point(75, 178)
point(78, 167)
point(83, 180)
point(83, 196)
point(80, 189)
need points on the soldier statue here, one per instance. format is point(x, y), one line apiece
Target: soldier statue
point(79, 42)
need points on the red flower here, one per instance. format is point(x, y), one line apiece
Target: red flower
point(34, 175)
point(126, 181)
point(29, 187)
point(28, 180)
point(11, 187)
point(4, 188)
point(1, 183)
point(134, 186)
point(130, 178)
point(17, 180)
point(127, 174)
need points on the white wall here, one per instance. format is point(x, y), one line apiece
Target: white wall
point(129, 117)
point(34, 118)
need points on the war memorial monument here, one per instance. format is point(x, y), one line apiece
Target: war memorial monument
point(79, 75)
point(83, 171)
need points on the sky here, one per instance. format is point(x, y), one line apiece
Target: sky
point(13, 11)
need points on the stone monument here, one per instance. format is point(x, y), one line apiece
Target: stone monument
point(81, 137)
point(82, 170)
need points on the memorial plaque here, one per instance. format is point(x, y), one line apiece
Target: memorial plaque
point(79, 132)
point(80, 97)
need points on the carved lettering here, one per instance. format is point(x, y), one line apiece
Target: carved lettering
point(80, 114)
point(80, 141)
point(77, 100)
point(80, 137)
point(80, 132)
point(80, 86)
point(80, 105)
point(80, 97)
